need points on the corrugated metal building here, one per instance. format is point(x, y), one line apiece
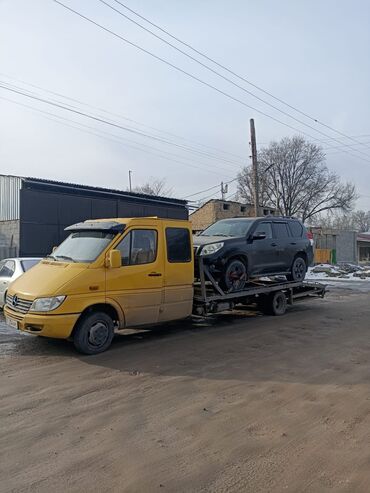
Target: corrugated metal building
point(34, 212)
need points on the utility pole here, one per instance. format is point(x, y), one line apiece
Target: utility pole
point(255, 168)
point(224, 189)
point(129, 180)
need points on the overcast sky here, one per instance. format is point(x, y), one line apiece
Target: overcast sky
point(312, 54)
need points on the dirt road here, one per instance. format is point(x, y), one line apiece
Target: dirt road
point(249, 403)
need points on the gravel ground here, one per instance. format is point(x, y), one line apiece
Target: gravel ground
point(239, 403)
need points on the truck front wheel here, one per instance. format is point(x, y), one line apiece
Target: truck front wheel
point(94, 333)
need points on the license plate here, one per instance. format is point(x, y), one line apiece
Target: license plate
point(12, 323)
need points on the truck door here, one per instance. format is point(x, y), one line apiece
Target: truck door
point(137, 285)
point(179, 274)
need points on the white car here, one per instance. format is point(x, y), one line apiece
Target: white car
point(10, 269)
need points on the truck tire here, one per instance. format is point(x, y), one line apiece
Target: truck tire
point(275, 304)
point(298, 270)
point(94, 333)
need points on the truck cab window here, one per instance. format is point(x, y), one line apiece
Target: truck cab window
point(139, 247)
point(178, 245)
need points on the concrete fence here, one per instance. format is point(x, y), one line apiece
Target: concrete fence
point(6, 252)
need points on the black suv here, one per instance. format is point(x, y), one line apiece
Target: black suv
point(239, 248)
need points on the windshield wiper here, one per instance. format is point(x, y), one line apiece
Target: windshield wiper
point(65, 257)
point(51, 256)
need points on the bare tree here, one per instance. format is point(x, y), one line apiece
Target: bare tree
point(295, 179)
point(357, 220)
point(361, 221)
point(154, 186)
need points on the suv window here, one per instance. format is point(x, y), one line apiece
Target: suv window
point(138, 247)
point(264, 228)
point(178, 245)
point(296, 229)
point(7, 268)
point(281, 230)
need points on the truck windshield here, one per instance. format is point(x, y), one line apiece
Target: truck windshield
point(82, 246)
point(229, 227)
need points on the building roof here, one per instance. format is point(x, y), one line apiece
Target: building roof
point(66, 187)
point(228, 202)
point(88, 190)
point(363, 237)
point(246, 204)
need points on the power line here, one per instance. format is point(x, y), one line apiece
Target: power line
point(218, 73)
point(200, 144)
point(208, 189)
point(202, 199)
point(131, 129)
point(119, 140)
point(339, 146)
point(224, 68)
point(202, 191)
point(98, 119)
point(198, 79)
point(178, 68)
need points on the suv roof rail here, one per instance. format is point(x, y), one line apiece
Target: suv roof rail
point(264, 217)
point(281, 217)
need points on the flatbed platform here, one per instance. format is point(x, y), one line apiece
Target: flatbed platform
point(272, 295)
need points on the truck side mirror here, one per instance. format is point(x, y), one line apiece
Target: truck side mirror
point(114, 259)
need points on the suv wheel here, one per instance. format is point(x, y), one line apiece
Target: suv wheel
point(298, 270)
point(235, 276)
point(94, 333)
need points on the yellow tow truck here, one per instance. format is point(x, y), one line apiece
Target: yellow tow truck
point(113, 274)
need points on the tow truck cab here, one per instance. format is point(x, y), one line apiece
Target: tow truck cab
point(109, 274)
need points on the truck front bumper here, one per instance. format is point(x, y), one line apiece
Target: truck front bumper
point(55, 326)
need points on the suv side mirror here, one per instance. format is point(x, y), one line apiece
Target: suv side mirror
point(114, 259)
point(259, 236)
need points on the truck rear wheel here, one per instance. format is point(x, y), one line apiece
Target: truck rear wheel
point(94, 333)
point(275, 304)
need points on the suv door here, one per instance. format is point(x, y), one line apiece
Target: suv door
point(300, 241)
point(262, 255)
point(282, 240)
point(137, 285)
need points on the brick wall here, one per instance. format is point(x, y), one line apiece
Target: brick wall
point(214, 210)
point(203, 217)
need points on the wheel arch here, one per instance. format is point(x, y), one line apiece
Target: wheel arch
point(107, 308)
point(302, 254)
point(239, 255)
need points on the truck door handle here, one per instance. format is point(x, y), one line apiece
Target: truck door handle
point(273, 244)
point(155, 274)
point(293, 243)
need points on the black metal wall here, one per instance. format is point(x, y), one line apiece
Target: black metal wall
point(44, 215)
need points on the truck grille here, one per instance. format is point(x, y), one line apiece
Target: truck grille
point(18, 304)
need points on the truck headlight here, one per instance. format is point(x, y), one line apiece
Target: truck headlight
point(211, 248)
point(47, 304)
